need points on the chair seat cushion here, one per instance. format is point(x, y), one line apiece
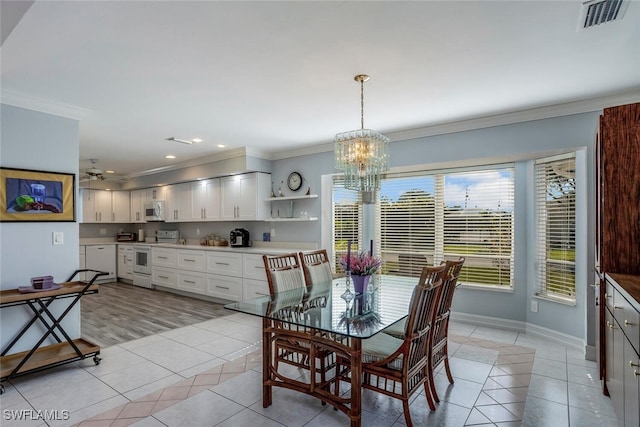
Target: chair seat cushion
point(397, 329)
point(379, 347)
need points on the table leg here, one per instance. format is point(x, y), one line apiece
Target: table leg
point(266, 363)
point(356, 382)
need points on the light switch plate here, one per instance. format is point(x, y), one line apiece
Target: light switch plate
point(58, 238)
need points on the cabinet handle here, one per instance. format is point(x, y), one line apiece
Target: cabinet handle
point(163, 277)
point(222, 287)
point(162, 257)
point(261, 267)
point(615, 307)
point(633, 365)
point(190, 260)
point(627, 323)
point(636, 373)
point(190, 281)
point(222, 263)
point(261, 294)
point(611, 326)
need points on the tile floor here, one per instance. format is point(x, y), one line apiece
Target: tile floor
point(209, 374)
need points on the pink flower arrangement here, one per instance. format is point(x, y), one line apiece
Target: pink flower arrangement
point(361, 263)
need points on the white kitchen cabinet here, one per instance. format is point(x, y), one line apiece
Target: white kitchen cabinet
point(137, 199)
point(164, 276)
point(154, 194)
point(102, 258)
point(225, 263)
point(224, 287)
point(242, 197)
point(125, 262)
point(252, 288)
point(205, 199)
point(164, 257)
point(192, 281)
point(178, 202)
point(253, 267)
point(96, 206)
point(192, 260)
point(121, 206)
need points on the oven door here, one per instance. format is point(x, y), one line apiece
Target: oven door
point(142, 260)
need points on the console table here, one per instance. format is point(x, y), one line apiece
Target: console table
point(66, 349)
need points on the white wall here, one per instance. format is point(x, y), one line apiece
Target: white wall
point(32, 140)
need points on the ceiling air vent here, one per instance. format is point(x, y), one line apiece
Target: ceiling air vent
point(596, 12)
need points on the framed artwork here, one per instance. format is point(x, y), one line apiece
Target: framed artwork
point(41, 196)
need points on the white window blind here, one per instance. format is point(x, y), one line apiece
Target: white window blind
point(347, 219)
point(555, 218)
point(427, 217)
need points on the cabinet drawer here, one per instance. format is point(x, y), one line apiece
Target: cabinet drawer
point(164, 257)
point(164, 277)
point(191, 282)
point(253, 267)
point(254, 288)
point(224, 287)
point(629, 320)
point(224, 263)
point(191, 260)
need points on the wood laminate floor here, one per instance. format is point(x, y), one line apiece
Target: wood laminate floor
point(120, 312)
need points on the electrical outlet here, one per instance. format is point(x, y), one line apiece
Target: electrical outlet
point(103, 231)
point(534, 306)
point(197, 231)
point(58, 238)
point(273, 232)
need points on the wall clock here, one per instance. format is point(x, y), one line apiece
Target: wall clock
point(294, 182)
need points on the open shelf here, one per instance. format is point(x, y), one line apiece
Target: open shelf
point(304, 196)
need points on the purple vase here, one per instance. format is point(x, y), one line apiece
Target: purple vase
point(360, 284)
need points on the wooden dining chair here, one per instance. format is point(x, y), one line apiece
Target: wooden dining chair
point(316, 266)
point(284, 273)
point(439, 351)
point(398, 367)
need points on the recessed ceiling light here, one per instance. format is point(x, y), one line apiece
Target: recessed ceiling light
point(183, 141)
point(169, 156)
point(109, 171)
point(196, 140)
point(221, 145)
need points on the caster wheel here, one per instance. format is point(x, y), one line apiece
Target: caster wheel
point(97, 360)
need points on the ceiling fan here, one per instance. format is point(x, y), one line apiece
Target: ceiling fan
point(95, 174)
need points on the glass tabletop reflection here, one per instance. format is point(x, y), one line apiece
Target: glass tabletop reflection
point(330, 307)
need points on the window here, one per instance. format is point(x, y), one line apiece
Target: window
point(347, 219)
point(556, 236)
point(425, 218)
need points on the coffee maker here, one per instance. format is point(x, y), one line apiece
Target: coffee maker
point(239, 237)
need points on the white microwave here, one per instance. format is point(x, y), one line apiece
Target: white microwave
point(154, 211)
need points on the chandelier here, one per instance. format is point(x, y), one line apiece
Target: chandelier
point(362, 154)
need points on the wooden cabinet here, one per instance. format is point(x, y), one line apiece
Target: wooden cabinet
point(617, 215)
point(205, 200)
point(242, 197)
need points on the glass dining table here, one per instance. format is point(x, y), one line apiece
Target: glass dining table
point(326, 318)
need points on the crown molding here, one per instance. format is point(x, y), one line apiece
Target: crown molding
point(531, 114)
point(43, 105)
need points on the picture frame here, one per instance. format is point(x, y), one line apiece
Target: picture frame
point(36, 196)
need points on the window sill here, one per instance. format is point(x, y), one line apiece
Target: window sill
point(504, 289)
point(556, 300)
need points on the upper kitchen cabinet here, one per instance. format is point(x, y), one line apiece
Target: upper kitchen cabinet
point(104, 206)
point(242, 197)
point(121, 206)
point(205, 200)
point(96, 206)
point(139, 197)
point(178, 202)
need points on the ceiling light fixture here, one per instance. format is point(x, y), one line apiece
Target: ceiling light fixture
point(169, 156)
point(362, 154)
point(183, 141)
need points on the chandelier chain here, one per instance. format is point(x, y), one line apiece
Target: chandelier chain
point(362, 104)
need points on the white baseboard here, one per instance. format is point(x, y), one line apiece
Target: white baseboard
point(522, 327)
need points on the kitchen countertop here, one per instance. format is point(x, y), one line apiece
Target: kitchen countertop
point(274, 248)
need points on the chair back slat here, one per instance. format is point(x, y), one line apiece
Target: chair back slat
point(424, 302)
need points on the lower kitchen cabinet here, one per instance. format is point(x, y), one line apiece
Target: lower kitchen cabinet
point(165, 277)
point(228, 264)
point(252, 288)
point(224, 287)
point(190, 281)
point(622, 345)
point(125, 262)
